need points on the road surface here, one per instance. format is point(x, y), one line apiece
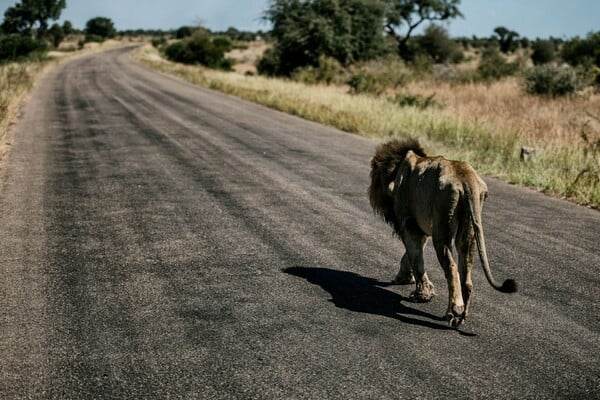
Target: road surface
point(160, 240)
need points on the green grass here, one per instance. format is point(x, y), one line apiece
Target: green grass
point(493, 150)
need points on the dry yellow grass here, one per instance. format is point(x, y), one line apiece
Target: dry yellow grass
point(538, 121)
point(16, 79)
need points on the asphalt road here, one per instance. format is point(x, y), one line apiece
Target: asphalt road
point(158, 240)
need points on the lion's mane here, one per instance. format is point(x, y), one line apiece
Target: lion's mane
point(384, 166)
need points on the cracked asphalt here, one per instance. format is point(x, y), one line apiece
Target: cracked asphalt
point(160, 240)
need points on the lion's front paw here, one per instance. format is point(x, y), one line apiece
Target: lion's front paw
point(404, 280)
point(423, 293)
point(420, 296)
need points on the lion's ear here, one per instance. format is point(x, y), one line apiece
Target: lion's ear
point(390, 188)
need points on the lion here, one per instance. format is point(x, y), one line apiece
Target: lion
point(422, 197)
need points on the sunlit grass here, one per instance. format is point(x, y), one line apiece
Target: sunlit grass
point(491, 142)
point(16, 79)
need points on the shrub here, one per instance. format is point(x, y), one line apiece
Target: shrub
point(199, 49)
point(363, 81)
point(549, 80)
point(269, 64)
point(224, 42)
point(326, 72)
point(543, 52)
point(159, 41)
point(494, 66)
point(14, 47)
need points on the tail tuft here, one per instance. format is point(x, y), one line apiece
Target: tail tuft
point(509, 286)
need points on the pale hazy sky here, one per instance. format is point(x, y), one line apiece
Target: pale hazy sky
point(531, 18)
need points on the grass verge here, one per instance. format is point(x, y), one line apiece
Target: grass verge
point(16, 80)
point(562, 167)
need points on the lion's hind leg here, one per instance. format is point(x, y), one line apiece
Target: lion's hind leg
point(465, 245)
point(456, 306)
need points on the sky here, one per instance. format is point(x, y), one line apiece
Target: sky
point(530, 18)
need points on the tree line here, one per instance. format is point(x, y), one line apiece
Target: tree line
point(26, 28)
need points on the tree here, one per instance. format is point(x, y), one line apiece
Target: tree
point(582, 52)
point(183, 32)
point(32, 16)
point(67, 28)
point(346, 30)
point(506, 39)
point(57, 34)
point(437, 44)
point(100, 26)
point(407, 15)
point(14, 47)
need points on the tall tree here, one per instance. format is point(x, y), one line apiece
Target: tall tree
point(506, 39)
point(347, 30)
point(100, 26)
point(32, 16)
point(404, 16)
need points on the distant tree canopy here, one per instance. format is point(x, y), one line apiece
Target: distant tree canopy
point(100, 26)
point(346, 30)
point(582, 52)
point(183, 32)
point(402, 17)
point(67, 28)
point(31, 17)
point(507, 39)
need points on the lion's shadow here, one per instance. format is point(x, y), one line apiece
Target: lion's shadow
point(365, 295)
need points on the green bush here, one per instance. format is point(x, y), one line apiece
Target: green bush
point(224, 42)
point(543, 52)
point(549, 80)
point(363, 81)
point(15, 47)
point(199, 49)
point(326, 72)
point(157, 42)
point(494, 66)
point(269, 64)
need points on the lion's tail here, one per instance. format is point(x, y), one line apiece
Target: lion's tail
point(509, 285)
